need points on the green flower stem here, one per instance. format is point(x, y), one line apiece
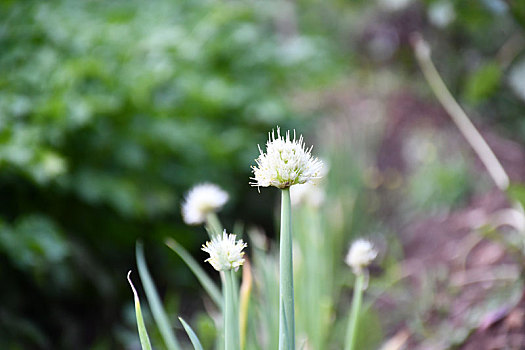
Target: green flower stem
point(231, 318)
point(353, 322)
point(214, 228)
point(214, 225)
point(286, 304)
point(235, 294)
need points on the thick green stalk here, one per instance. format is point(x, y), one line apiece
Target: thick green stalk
point(286, 304)
point(231, 323)
point(353, 322)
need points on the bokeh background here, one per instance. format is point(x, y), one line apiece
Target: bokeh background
point(111, 110)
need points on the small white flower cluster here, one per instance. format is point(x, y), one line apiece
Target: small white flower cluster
point(225, 252)
point(360, 255)
point(286, 162)
point(202, 200)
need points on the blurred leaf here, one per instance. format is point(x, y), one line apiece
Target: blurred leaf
point(517, 78)
point(517, 8)
point(483, 82)
point(516, 191)
point(33, 243)
point(369, 334)
point(201, 275)
point(21, 328)
point(207, 330)
point(154, 301)
point(439, 185)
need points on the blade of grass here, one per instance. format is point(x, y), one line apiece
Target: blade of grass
point(143, 333)
point(159, 314)
point(206, 282)
point(193, 337)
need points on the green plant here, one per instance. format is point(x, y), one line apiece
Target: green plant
point(271, 309)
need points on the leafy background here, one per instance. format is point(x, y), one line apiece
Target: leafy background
point(110, 111)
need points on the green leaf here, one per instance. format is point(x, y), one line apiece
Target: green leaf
point(483, 82)
point(193, 337)
point(206, 282)
point(517, 193)
point(143, 333)
point(517, 9)
point(159, 314)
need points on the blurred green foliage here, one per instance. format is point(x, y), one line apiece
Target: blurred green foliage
point(483, 83)
point(440, 178)
point(109, 111)
point(478, 48)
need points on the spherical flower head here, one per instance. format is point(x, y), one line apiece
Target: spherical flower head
point(286, 162)
point(200, 201)
point(360, 255)
point(225, 252)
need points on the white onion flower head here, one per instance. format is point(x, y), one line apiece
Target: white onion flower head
point(225, 252)
point(202, 200)
point(360, 255)
point(286, 162)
